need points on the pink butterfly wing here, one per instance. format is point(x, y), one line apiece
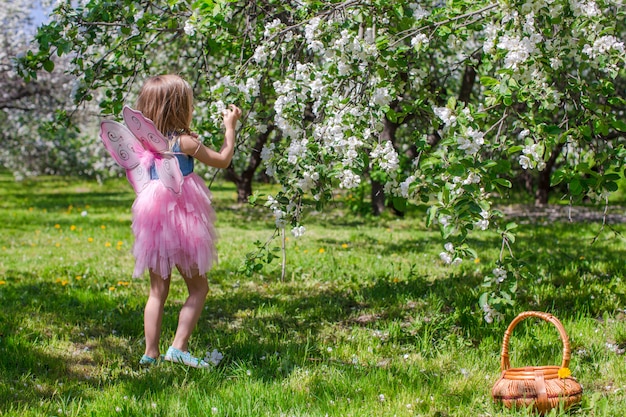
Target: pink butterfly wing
point(169, 172)
point(127, 151)
point(146, 132)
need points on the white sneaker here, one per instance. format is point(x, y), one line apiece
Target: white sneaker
point(178, 356)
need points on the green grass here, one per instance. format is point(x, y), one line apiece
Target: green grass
point(367, 323)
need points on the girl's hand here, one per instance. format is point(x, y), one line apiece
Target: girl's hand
point(231, 115)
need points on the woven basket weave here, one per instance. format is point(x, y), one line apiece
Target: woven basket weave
point(539, 386)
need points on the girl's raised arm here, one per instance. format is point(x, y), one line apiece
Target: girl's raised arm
point(190, 145)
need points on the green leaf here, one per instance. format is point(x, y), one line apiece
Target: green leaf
point(557, 178)
point(514, 149)
point(575, 187)
point(552, 130)
point(488, 81)
point(48, 65)
point(619, 125)
point(503, 182)
point(457, 170)
point(611, 186)
point(510, 226)
point(431, 215)
point(585, 131)
point(399, 204)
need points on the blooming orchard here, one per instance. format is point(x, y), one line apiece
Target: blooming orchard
point(438, 103)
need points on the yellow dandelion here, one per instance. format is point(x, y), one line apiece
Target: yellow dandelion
point(120, 243)
point(123, 283)
point(31, 208)
point(305, 251)
point(57, 226)
point(89, 239)
point(477, 260)
point(78, 277)
point(103, 227)
point(107, 244)
point(322, 250)
point(58, 245)
point(564, 373)
point(72, 228)
point(111, 288)
point(64, 282)
point(396, 280)
point(87, 206)
point(344, 245)
point(3, 282)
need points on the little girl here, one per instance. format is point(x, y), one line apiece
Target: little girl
point(176, 230)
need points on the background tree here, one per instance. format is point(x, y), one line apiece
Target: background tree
point(31, 145)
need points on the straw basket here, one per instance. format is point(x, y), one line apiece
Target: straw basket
point(540, 386)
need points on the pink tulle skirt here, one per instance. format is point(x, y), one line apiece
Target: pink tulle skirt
point(174, 230)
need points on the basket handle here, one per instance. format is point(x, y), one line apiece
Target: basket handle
point(504, 357)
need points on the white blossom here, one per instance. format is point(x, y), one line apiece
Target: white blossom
point(604, 45)
point(518, 49)
point(525, 162)
point(349, 179)
point(483, 224)
point(500, 274)
point(419, 40)
point(386, 155)
point(404, 186)
point(417, 11)
point(214, 357)
point(471, 142)
point(189, 28)
point(308, 180)
point(269, 27)
point(260, 54)
point(585, 8)
point(381, 96)
point(298, 231)
point(531, 157)
point(446, 116)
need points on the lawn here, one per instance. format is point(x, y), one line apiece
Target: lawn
point(368, 321)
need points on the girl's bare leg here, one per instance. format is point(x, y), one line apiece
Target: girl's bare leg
point(153, 313)
point(198, 288)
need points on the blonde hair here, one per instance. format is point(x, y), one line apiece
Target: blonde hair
point(167, 100)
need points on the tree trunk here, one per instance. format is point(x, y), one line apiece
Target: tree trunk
point(378, 194)
point(465, 93)
point(243, 181)
point(543, 182)
point(378, 198)
point(469, 79)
